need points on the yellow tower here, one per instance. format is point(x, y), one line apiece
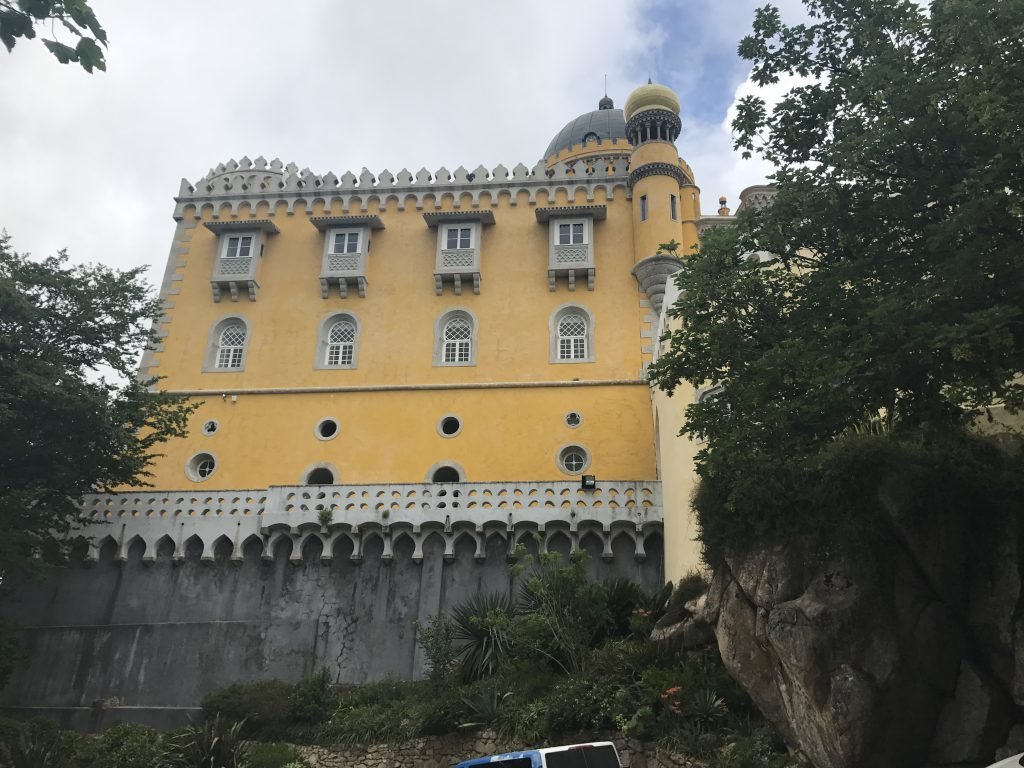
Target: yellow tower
point(666, 202)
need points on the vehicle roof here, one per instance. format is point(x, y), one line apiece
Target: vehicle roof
point(527, 753)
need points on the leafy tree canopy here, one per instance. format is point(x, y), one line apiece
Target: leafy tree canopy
point(885, 285)
point(65, 429)
point(19, 19)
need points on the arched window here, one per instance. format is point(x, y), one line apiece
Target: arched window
point(341, 343)
point(445, 475)
point(572, 335)
point(456, 339)
point(231, 346)
point(338, 342)
point(226, 345)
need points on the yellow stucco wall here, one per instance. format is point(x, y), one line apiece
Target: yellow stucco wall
point(390, 436)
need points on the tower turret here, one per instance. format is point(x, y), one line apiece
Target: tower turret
point(666, 202)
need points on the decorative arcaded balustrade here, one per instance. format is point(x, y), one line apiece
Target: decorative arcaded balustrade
point(226, 523)
point(249, 182)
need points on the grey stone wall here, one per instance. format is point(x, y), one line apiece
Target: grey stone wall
point(144, 641)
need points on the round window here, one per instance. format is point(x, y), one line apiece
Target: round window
point(573, 419)
point(573, 459)
point(326, 429)
point(449, 426)
point(200, 467)
point(210, 427)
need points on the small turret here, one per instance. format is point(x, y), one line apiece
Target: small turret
point(664, 198)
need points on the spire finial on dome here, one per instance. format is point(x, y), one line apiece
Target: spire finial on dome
point(605, 102)
point(649, 81)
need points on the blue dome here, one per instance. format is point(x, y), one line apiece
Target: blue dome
point(601, 123)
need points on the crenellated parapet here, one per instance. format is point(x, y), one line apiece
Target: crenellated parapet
point(229, 186)
point(227, 524)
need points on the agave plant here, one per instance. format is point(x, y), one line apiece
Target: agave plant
point(214, 744)
point(483, 624)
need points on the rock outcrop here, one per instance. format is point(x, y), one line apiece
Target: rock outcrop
point(908, 653)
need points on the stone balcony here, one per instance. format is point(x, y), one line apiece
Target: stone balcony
point(227, 522)
point(343, 270)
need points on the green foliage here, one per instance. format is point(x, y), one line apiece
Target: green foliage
point(19, 19)
point(274, 755)
point(313, 699)
point(483, 626)
point(564, 614)
point(888, 289)
point(437, 637)
point(264, 706)
point(65, 430)
point(214, 744)
point(36, 744)
point(12, 653)
point(124, 745)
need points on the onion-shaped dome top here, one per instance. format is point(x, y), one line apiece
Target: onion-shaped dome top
point(651, 96)
point(604, 124)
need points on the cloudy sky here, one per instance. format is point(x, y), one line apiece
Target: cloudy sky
point(91, 162)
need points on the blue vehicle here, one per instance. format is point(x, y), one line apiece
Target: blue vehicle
point(596, 754)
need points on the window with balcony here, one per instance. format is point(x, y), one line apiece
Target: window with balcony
point(346, 245)
point(456, 339)
point(239, 248)
point(457, 260)
point(337, 342)
point(571, 329)
point(571, 242)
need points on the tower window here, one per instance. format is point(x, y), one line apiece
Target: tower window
point(341, 343)
point(231, 346)
point(445, 475)
point(345, 241)
point(643, 207)
point(238, 247)
point(572, 337)
point(674, 203)
point(456, 339)
point(337, 342)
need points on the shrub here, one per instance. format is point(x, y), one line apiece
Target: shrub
point(274, 755)
point(125, 745)
point(313, 699)
point(264, 706)
point(483, 624)
point(214, 744)
point(437, 637)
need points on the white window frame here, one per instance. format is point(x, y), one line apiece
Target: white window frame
point(554, 351)
point(563, 452)
point(461, 228)
point(441, 343)
point(324, 344)
point(211, 361)
point(334, 232)
point(572, 224)
point(227, 237)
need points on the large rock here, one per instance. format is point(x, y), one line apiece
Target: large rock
point(902, 654)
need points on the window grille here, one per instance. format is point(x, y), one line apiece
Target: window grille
point(458, 334)
point(341, 343)
point(231, 346)
point(572, 337)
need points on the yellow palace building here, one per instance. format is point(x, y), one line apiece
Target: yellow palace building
point(450, 327)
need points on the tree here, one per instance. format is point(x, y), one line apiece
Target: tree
point(886, 282)
point(65, 429)
point(19, 18)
